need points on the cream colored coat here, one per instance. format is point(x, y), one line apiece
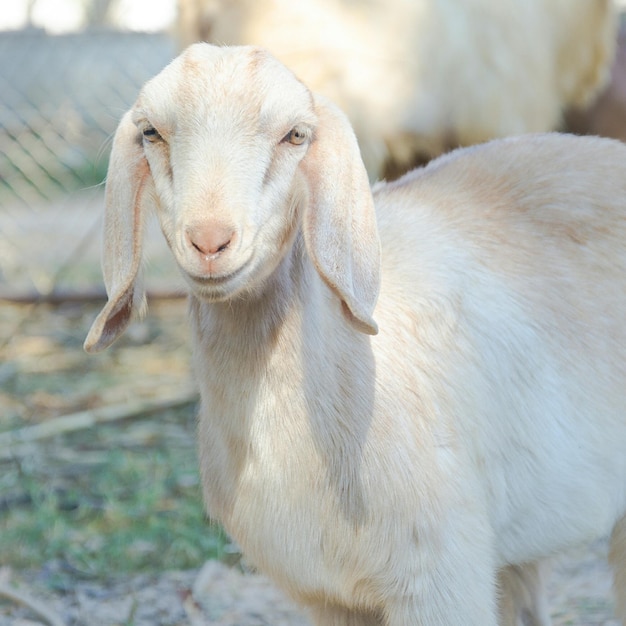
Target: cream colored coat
point(403, 391)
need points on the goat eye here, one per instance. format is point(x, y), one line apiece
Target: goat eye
point(151, 134)
point(296, 136)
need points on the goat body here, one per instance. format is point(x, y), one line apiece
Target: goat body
point(383, 472)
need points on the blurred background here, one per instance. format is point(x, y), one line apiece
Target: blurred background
point(98, 474)
point(68, 70)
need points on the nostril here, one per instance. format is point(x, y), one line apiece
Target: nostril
point(223, 246)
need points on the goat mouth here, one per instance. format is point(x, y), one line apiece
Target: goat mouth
point(218, 280)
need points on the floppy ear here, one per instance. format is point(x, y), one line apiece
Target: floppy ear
point(340, 229)
point(127, 177)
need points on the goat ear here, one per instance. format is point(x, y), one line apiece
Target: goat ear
point(340, 229)
point(127, 177)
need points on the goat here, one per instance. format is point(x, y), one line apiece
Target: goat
point(421, 77)
point(606, 117)
point(404, 390)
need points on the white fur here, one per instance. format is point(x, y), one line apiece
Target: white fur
point(383, 478)
point(418, 77)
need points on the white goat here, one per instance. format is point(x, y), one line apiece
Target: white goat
point(383, 477)
point(418, 77)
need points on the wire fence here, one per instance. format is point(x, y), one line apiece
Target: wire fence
point(61, 98)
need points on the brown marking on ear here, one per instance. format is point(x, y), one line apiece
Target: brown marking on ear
point(110, 323)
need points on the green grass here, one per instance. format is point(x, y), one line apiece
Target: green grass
point(117, 511)
point(119, 498)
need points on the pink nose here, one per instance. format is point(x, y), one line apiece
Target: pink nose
point(210, 241)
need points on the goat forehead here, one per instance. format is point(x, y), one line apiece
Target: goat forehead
point(241, 85)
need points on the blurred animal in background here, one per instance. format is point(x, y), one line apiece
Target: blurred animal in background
point(607, 114)
point(418, 77)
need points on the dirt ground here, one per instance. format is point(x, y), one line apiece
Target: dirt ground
point(220, 595)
